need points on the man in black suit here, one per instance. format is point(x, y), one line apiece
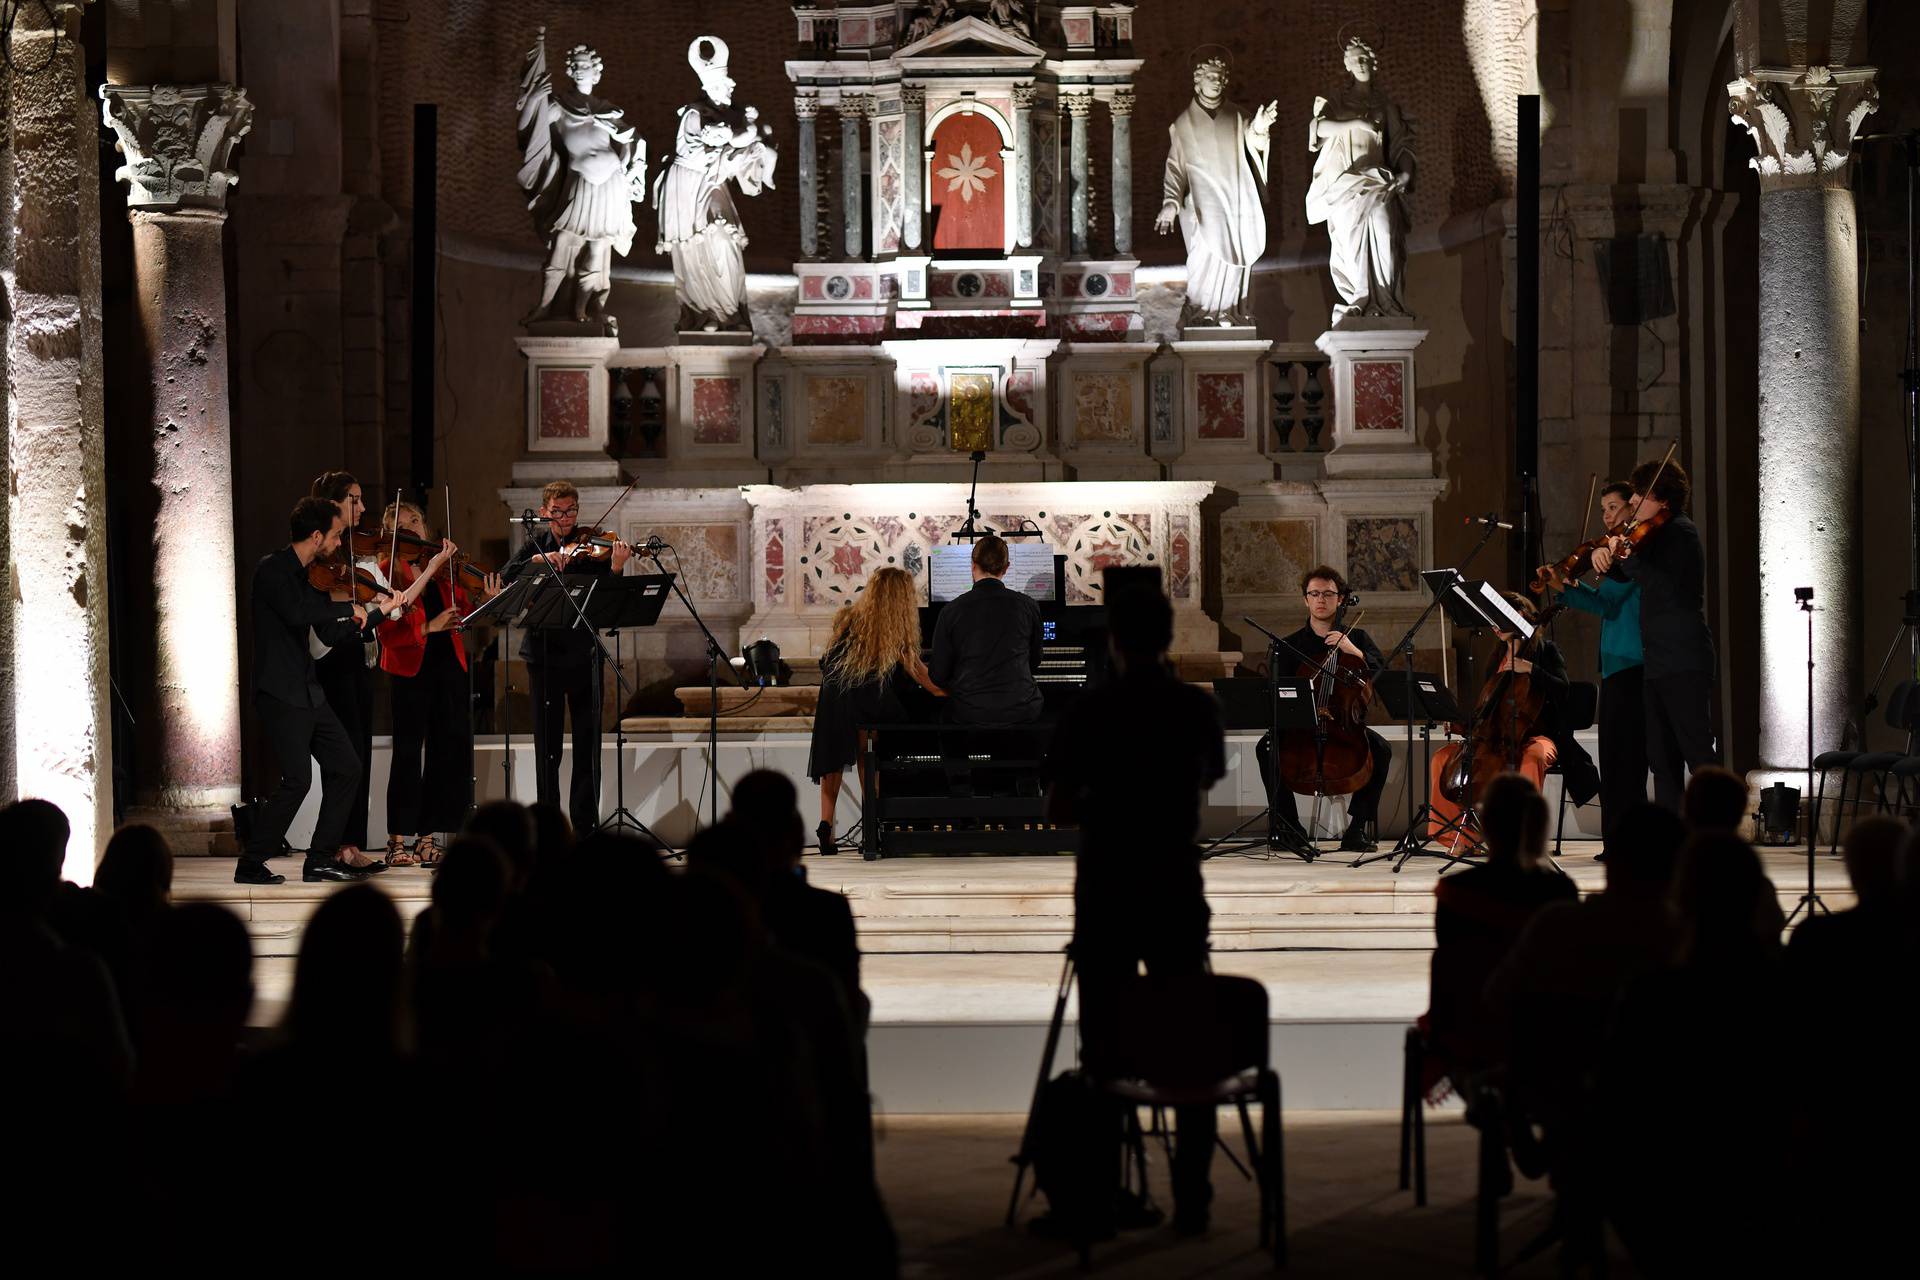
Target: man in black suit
point(986, 646)
point(563, 670)
point(292, 706)
point(1670, 564)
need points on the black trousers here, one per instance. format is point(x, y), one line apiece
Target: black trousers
point(1365, 805)
point(558, 691)
point(299, 735)
point(1679, 732)
point(1623, 745)
point(430, 716)
point(1166, 928)
point(348, 680)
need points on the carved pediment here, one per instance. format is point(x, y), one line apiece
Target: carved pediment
point(972, 37)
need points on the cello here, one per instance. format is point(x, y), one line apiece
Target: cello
point(1333, 758)
point(1506, 717)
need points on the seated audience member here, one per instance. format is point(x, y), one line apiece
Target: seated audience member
point(510, 826)
point(1130, 763)
point(1716, 800)
point(132, 887)
point(465, 998)
point(1478, 913)
point(197, 989)
point(986, 646)
point(868, 675)
point(1689, 1098)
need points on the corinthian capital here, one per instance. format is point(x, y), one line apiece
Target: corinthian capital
point(178, 141)
point(1803, 120)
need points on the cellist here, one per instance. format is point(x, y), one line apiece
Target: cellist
point(1323, 589)
point(1545, 743)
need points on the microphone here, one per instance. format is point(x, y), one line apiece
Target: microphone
point(654, 542)
point(1488, 520)
point(527, 518)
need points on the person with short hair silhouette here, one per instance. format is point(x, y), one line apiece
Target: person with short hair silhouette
point(987, 645)
point(1130, 763)
point(1715, 800)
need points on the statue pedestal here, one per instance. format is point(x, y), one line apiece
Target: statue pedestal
point(710, 410)
point(1371, 382)
point(566, 409)
point(1222, 408)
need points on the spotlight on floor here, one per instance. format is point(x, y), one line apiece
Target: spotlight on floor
point(763, 662)
point(1779, 814)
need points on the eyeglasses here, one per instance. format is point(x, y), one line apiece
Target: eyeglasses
point(1323, 595)
point(561, 513)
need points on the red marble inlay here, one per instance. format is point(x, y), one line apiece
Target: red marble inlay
point(849, 561)
point(564, 409)
point(863, 286)
point(1180, 566)
point(968, 185)
point(828, 330)
point(1079, 31)
point(716, 410)
point(810, 287)
point(1122, 282)
point(1019, 393)
point(1223, 405)
point(923, 395)
point(776, 562)
point(1379, 395)
point(855, 33)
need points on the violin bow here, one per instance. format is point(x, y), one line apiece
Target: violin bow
point(446, 501)
point(393, 552)
point(1657, 473)
point(608, 513)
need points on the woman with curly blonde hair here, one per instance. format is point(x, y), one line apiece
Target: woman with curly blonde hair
point(872, 658)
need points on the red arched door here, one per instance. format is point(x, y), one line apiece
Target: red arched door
point(968, 183)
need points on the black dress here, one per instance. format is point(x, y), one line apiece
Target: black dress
point(842, 710)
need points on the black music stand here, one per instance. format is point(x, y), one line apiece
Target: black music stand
point(1411, 696)
point(1290, 706)
point(616, 604)
point(507, 609)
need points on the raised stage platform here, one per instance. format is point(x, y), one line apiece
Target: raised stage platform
point(962, 958)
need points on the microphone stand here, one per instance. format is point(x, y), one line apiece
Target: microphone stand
point(968, 532)
point(715, 652)
point(1410, 842)
point(526, 520)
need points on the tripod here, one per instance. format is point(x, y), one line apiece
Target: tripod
point(1276, 838)
point(714, 654)
point(1810, 900)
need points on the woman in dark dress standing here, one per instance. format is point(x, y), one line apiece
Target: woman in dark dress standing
point(867, 676)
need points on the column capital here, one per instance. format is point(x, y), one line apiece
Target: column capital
point(913, 97)
point(178, 141)
point(1079, 105)
point(853, 106)
point(1122, 104)
point(806, 106)
point(1803, 121)
point(1023, 96)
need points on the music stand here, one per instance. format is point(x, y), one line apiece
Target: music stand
point(560, 603)
point(1411, 696)
point(1290, 706)
point(613, 605)
point(506, 609)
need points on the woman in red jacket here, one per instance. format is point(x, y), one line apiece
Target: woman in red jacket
point(426, 661)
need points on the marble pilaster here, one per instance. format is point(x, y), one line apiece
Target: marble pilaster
point(1122, 108)
point(913, 100)
point(852, 186)
point(806, 111)
point(1023, 165)
point(178, 141)
point(1803, 121)
point(1079, 107)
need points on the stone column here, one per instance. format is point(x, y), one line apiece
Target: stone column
point(178, 141)
point(852, 186)
point(1803, 121)
point(806, 109)
point(914, 99)
point(1122, 108)
point(59, 717)
point(1079, 106)
point(1023, 165)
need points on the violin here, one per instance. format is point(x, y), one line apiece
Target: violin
point(1335, 760)
point(1579, 563)
point(1507, 715)
point(347, 580)
point(412, 550)
point(592, 544)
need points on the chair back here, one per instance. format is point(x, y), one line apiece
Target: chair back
point(1187, 1032)
point(1581, 706)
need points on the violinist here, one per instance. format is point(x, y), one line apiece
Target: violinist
point(1526, 716)
point(1323, 590)
point(1669, 563)
point(425, 659)
point(562, 669)
point(1623, 739)
point(295, 716)
point(346, 667)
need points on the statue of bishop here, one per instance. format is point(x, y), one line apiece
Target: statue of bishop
point(583, 167)
point(1215, 185)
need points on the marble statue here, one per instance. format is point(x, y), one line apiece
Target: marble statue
point(1361, 173)
point(717, 143)
point(1215, 184)
point(582, 169)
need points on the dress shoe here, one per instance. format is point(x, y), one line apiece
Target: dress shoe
point(824, 834)
point(329, 870)
point(1356, 841)
point(255, 873)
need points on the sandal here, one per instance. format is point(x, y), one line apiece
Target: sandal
point(354, 858)
point(398, 855)
point(427, 850)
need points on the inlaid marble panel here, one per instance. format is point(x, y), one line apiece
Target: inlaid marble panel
point(1223, 405)
point(889, 185)
point(707, 558)
point(1383, 553)
point(1179, 557)
point(1100, 543)
point(564, 404)
point(1020, 393)
point(1103, 407)
point(774, 587)
point(1379, 395)
point(1265, 557)
point(836, 410)
point(716, 410)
